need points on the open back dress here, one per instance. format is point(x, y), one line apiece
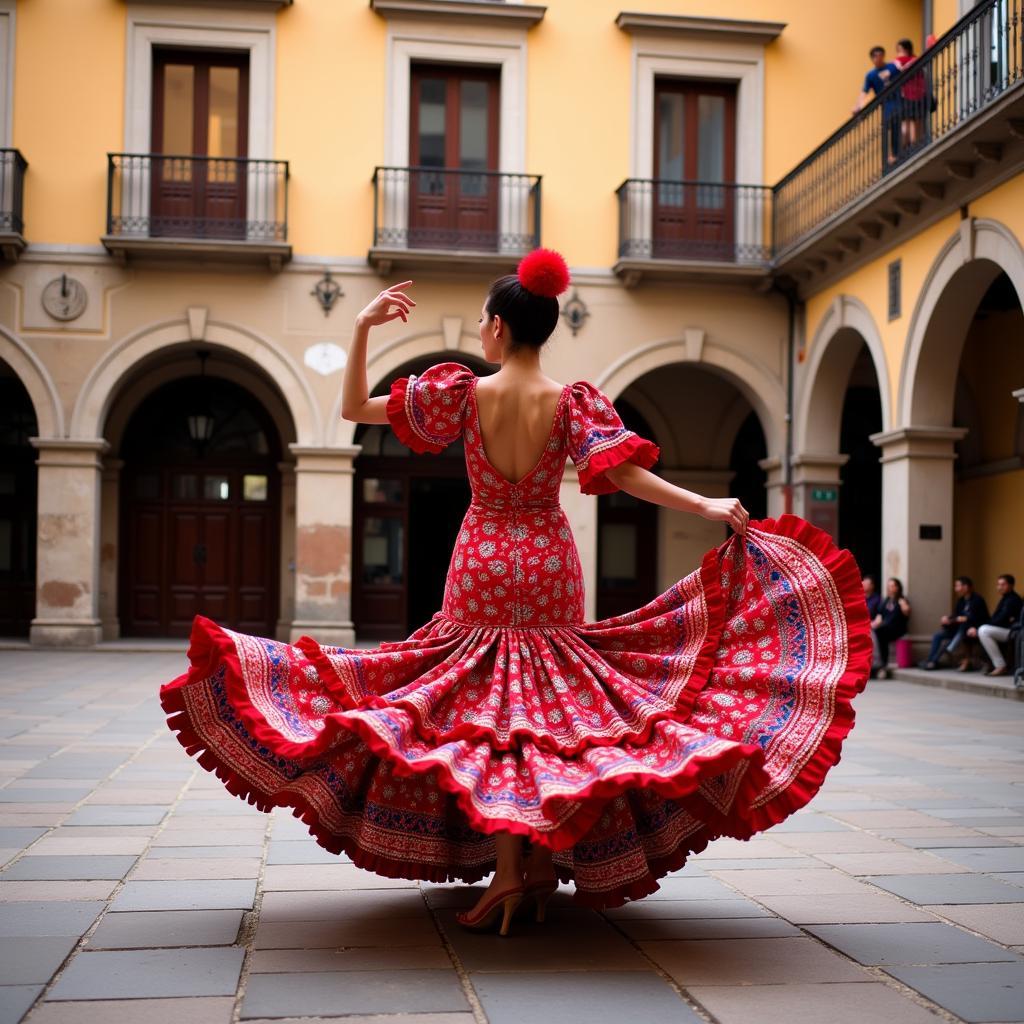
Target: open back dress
point(623, 744)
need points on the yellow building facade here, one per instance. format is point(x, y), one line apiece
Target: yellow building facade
point(197, 198)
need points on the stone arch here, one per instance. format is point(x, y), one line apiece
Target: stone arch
point(973, 257)
point(36, 379)
point(834, 349)
point(754, 381)
point(106, 378)
point(384, 363)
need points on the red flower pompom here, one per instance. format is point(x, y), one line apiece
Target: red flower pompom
point(544, 272)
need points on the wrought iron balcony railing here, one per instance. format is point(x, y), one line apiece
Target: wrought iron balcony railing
point(12, 190)
point(221, 199)
point(443, 210)
point(953, 82)
point(696, 221)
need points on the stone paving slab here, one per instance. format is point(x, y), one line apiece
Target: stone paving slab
point(300, 961)
point(203, 894)
point(136, 974)
point(200, 1010)
point(375, 1018)
point(11, 892)
point(958, 888)
point(981, 858)
point(352, 992)
point(808, 1003)
point(826, 909)
point(384, 933)
point(774, 961)
point(159, 928)
point(606, 998)
point(974, 992)
point(86, 867)
point(880, 944)
point(155, 868)
point(328, 905)
point(25, 961)
point(15, 1001)
point(1003, 922)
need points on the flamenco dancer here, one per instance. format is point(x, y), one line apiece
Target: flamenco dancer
point(508, 735)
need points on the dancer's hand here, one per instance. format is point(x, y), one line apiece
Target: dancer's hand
point(727, 510)
point(390, 304)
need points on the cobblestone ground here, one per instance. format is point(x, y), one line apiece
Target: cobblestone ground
point(137, 890)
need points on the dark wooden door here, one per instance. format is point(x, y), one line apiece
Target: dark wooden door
point(200, 524)
point(694, 167)
point(453, 200)
point(627, 536)
point(200, 137)
point(198, 543)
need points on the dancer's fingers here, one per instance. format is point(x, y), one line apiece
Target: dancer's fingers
point(402, 296)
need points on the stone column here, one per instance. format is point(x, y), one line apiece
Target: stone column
point(581, 511)
point(775, 485)
point(816, 486)
point(68, 548)
point(110, 515)
point(683, 537)
point(286, 604)
point(323, 544)
point(917, 518)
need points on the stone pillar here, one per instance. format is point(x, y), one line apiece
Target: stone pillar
point(581, 511)
point(683, 538)
point(775, 485)
point(68, 548)
point(110, 515)
point(286, 603)
point(917, 518)
point(323, 544)
point(816, 485)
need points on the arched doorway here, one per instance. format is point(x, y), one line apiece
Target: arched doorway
point(988, 489)
point(627, 540)
point(860, 491)
point(712, 441)
point(200, 510)
point(17, 506)
point(406, 515)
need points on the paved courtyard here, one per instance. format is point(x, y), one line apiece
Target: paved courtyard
point(137, 890)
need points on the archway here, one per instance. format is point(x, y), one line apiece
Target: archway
point(843, 402)
point(713, 440)
point(18, 482)
point(406, 514)
point(988, 489)
point(194, 493)
point(941, 518)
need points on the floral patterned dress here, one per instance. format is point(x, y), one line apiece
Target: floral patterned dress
point(624, 744)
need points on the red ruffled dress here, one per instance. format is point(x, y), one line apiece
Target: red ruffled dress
point(624, 744)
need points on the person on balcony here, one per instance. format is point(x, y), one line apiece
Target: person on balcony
point(970, 610)
point(888, 624)
point(881, 74)
point(913, 94)
point(997, 630)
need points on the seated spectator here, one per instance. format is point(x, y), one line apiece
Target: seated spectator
point(970, 610)
point(997, 630)
point(888, 624)
point(871, 594)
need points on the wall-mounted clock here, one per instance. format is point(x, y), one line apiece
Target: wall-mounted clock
point(65, 298)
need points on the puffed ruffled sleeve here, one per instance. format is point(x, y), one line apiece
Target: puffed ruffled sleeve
point(599, 441)
point(426, 411)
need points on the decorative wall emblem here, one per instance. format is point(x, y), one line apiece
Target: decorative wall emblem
point(65, 298)
point(325, 358)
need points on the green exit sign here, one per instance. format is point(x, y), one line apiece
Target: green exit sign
point(824, 494)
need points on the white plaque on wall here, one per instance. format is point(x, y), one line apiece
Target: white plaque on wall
point(325, 357)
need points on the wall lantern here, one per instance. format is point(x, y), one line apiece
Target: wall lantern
point(327, 292)
point(200, 420)
point(574, 312)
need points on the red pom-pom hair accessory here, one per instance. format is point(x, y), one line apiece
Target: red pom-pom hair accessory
point(544, 272)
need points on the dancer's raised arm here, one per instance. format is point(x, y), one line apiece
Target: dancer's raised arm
point(391, 304)
point(648, 486)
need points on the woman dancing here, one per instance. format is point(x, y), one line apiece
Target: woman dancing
point(508, 735)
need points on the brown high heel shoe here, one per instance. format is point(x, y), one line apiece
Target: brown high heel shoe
point(484, 918)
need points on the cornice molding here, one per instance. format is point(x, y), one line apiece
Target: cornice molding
point(491, 12)
point(731, 30)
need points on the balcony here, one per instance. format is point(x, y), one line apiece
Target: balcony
point(470, 220)
point(672, 229)
point(12, 188)
point(949, 128)
point(197, 209)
